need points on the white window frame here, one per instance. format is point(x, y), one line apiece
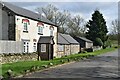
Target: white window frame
point(43, 47)
point(40, 29)
point(60, 47)
point(34, 47)
point(26, 46)
point(51, 32)
point(25, 26)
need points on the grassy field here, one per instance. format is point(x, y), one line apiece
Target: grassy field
point(19, 68)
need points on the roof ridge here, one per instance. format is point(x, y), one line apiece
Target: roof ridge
point(35, 16)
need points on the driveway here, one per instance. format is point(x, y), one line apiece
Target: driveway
point(102, 66)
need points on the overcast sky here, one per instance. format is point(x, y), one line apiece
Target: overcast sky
point(109, 9)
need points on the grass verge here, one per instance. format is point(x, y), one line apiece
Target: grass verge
point(24, 67)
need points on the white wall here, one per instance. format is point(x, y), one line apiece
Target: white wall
point(11, 46)
point(32, 32)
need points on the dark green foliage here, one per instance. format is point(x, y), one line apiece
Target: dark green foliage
point(99, 42)
point(97, 28)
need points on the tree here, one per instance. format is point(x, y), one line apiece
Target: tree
point(76, 26)
point(53, 14)
point(97, 28)
point(114, 27)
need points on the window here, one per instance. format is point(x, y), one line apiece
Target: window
point(51, 32)
point(25, 27)
point(26, 47)
point(40, 30)
point(61, 48)
point(43, 47)
point(34, 47)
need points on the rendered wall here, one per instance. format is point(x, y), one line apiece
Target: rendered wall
point(11, 46)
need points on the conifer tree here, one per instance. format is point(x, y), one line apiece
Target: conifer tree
point(97, 28)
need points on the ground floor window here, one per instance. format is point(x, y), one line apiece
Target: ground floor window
point(26, 46)
point(60, 47)
point(43, 47)
point(34, 47)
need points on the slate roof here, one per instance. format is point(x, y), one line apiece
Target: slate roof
point(26, 13)
point(69, 39)
point(46, 39)
point(85, 39)
point(61, 39)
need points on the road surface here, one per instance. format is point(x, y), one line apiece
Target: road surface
point(102, 66)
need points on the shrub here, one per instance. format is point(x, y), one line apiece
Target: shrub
point(99, 42)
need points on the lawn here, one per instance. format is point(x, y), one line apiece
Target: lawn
point(19, 68)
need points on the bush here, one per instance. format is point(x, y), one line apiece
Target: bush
point(99, 42)
point(107, 44)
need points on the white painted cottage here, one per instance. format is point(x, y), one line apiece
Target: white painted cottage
point(18, 24)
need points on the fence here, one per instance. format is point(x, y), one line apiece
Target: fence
point(11, 46)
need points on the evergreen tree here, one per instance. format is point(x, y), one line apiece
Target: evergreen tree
point(97, 28)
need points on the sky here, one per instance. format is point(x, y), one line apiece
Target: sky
point(109, 8)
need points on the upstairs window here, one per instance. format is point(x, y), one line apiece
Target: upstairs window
point(40, 30)
point(51, 30)
point(25, 27)
point(25, 24)
point(40, 26)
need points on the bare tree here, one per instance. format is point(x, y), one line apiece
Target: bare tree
point(48, 11)
point(76, 26)
point(114, 28)
point(53, 14)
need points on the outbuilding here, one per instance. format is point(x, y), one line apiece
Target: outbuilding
point(84, 42)
point(67, 45)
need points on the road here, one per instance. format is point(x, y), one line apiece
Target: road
point(102, 66)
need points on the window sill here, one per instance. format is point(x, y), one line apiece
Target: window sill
point(40, 34)
point(25, 31)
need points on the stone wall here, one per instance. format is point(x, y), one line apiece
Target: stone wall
point(9, 58)
point(75, 49)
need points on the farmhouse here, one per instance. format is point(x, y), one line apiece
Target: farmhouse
point(67, 45)
point(31, 32)
point(18, 24)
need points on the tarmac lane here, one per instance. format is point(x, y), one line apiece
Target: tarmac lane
point(104, 66)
